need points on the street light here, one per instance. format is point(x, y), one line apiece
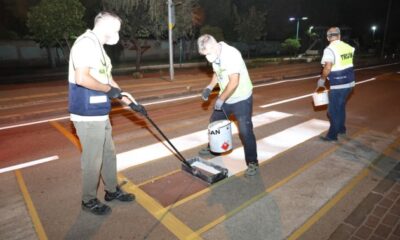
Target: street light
point(298, 24)
point(373, 28)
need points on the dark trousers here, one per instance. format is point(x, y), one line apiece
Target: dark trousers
point(337, 111)
point(242, 111)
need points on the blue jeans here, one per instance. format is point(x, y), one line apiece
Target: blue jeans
point(242, 111)
point(337, 111)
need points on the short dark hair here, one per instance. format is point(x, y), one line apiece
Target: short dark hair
point(105, 14)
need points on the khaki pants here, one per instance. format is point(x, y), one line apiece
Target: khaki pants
point(98, 157)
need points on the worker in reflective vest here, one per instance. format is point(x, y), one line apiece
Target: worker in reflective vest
point(337, 62)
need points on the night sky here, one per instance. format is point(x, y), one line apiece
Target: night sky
point(357, 15)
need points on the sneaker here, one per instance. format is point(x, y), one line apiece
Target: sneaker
point(326, 139)
point(120, 195)
point(252, 169)
point(96, 207)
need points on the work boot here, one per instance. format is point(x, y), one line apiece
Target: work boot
point(120, 195)
point(96, 207)
point(252, 169)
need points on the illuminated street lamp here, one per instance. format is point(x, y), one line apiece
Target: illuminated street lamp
point(373, 28)
point(298, 24)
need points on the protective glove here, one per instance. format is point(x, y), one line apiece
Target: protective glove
point(218, 104)
point(138, 108)
point(206, 93)
point(114, 93)
point(321, 83)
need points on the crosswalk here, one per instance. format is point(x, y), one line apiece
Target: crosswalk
point(267, 147)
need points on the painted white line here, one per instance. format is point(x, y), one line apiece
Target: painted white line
point(28, 164)
point(273, 145)
point(32, 123)
point(162, 149)
point(377, 66)
point(306, 96)
point(285, 81)
point(189, 97)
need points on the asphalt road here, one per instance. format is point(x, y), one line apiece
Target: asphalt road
point(299, 175)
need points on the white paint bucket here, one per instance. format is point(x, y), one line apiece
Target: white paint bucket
point(220, 136)
point(320, 98)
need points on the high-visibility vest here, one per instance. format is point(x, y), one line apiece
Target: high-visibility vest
point(88, 102)
point(342, 69)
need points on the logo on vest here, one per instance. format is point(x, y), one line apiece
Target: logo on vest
point(346, 56)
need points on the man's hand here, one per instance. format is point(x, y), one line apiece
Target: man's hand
point(206, 93)
point(138, 108)
point(321, 83)
point(114, 93)
point(218, 104)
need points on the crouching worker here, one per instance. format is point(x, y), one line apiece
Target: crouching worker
point(235, 96)
point(91, 88)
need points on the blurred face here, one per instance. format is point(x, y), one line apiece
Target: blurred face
point(211, 53)
point(112, 33)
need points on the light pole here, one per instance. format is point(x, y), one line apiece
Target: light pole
point(298, 24)
point(373, 28)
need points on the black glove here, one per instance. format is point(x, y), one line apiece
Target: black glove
point(114, 93)
point(205, 94)
point(138, 108)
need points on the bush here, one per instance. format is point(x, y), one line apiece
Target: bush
point(291, 46)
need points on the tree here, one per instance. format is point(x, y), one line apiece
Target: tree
point(291, 46)
point(55, 23)
point(144, 19)
point(216, 32)
point(250, 26)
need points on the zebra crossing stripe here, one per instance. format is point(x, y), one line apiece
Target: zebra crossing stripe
point(158, 150)
point(271, 146)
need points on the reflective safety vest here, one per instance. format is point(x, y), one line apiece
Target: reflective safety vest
point(229, 56)
point(84, 101)
point(342, 70)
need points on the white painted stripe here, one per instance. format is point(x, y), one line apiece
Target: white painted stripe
point(28, 164)
point(32, 123)
point(285, 81)
point(377, 66)
point(162, 149)
point(187, 97)
point(305, 96)
point(273, 145)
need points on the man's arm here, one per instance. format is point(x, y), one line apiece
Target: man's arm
point(83, 78)
point(326, 70)
point(231, 87)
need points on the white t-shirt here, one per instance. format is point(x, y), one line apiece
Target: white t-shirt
point(230, 62)
point(88, 52)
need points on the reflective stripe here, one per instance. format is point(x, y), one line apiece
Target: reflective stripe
point(341, 86)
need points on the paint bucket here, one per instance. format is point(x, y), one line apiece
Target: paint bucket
point(220, 136)
point(320, 98)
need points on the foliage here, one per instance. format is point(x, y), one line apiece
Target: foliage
point(144, 19)
point(250, 26)
point(52, 21)
point(291, 45)
point(216, 32)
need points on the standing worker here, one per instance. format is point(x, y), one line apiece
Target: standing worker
point(235, 96)
point(337, 63)
point(91, 88)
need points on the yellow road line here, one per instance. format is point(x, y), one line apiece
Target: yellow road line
point(71, 137)
point(272, 188)
point(342, 193)
point(330, 204)
point(193, 196)
point(172, 223)
point(31, 208)
point(158, 177)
